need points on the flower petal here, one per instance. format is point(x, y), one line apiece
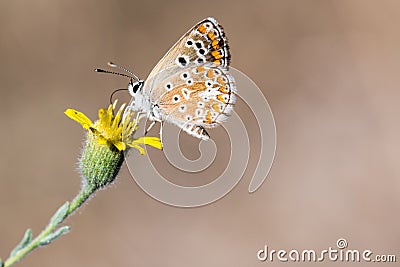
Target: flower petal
point(117, 118)
point(79, 117)
point(101, 140)
point(119, 145)
point(151, 141)
point(142, 151)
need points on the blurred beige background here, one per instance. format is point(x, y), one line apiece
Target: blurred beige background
point(329, 69)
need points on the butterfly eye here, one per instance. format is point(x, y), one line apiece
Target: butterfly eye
point(176, 98)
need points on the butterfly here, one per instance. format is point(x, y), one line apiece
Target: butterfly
point(190, 86)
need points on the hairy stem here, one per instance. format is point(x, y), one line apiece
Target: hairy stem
point(81, 198)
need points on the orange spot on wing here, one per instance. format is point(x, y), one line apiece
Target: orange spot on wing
point(198, 86)
point(200, 69)
point(208, 117)
point(215, 44)
point(211, 35)
point(217, 62)
point(221, 98)
point(216, 108)
point(220, 80)
point(210, 73)
point(202, 29)
point(223, 90)
point(216, 54)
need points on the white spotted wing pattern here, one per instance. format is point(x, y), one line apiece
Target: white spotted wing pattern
point(191, 86)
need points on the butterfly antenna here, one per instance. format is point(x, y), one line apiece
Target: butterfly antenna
point(117, 90)
point(111, 64)
point(113, 72)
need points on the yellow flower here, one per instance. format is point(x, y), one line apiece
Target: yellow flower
point(115, 130)
point(106, 140)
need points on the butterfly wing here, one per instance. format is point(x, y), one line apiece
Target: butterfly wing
point(191, 83)
point(205, 42)
point(202, 97)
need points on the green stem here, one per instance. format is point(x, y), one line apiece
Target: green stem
point(81, 198)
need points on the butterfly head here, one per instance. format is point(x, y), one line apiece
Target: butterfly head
point(135, 87)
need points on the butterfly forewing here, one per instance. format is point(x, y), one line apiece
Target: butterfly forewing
point(191, 83)
point(205, 42)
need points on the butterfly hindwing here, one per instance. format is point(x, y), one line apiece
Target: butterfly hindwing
point(195, 130)
point(200, 95)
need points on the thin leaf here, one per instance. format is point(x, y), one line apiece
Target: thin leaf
point(59, 216)
point(53, 236)
point(24, 242)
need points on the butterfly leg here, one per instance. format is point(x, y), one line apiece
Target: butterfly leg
point(149, 128)
point(161, 130)
point(138, 114)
